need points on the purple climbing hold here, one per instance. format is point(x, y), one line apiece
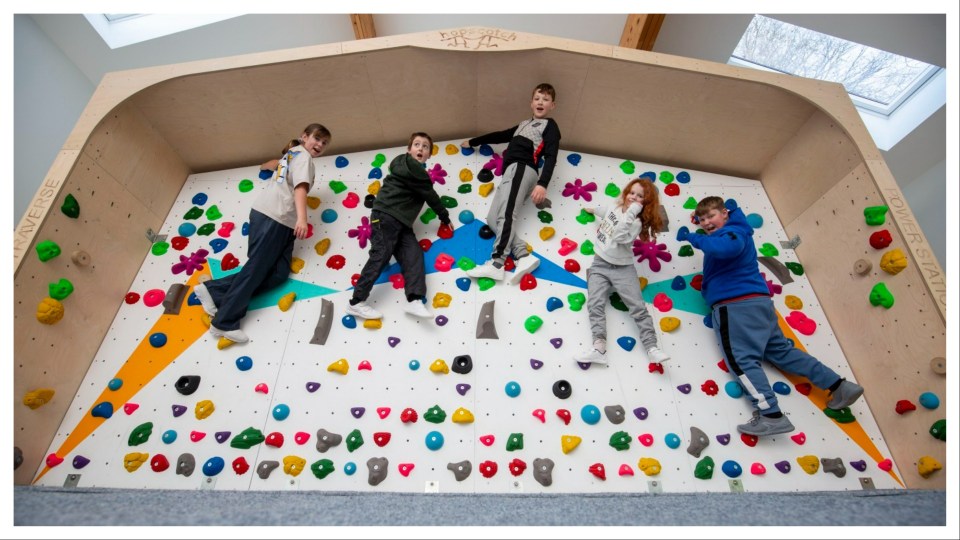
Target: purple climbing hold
point(179, 410)
point(462, 388)
point(556, 342)
point(584, 365)
point(80, 462)
point(536, 364)
point(392, 341)
point(357, 412)
point(860, 465)
point(685, 388)
point(724, 439)
point(641, 413)
point(221, 436)
point(441, 320)
point(782, 466)
point(313, 386)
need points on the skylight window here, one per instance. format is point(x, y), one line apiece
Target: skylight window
point(122, 29)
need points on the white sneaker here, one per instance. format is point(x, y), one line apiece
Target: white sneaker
point(592, 356)
point(525, 265)
point(236, 336)
point(657, 356)
point(418, 309)
point(486, 270)
point(206, 301)
point(364, 311)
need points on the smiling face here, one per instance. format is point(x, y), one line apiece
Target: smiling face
point(635, 194)
point(542, 104)
point(314, 143)
point(420, 148)
point(713, 219)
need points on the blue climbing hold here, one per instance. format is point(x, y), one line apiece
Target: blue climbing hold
point(414, 365)
point(626, 343)
point(265, 174)
point(115, 384)
point(466, 217)
point(245, 228)
point(573, 159)
point(102, 410)
point(755, 220)
point(463, 284)
point(213, 466)
point(349, 321)
point(730, 204)
point(554, 303)
point(158, 339)
point(929, 400)
point(731, 468)
point(486, 150)
point(434, 440)
point(375, 174)
point(349, 468)
point(186, 229)
point(199, 199)
point(590, 414)
point(468, 151)
point(281, 412)
point(512, 389)
point(708, 321)
point(678, 284)
point(244, 363)
point(341, 162)
point(781, 388)
point(328, 216)
point(218, 244)
point(649, 175)
point(169, 436)
point(683, 177)
point(672, 440)
point(733, 389)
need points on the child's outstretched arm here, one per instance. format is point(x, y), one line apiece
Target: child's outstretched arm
point(721, 244)
point(300, 202)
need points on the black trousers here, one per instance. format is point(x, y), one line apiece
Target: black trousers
point(391, 238)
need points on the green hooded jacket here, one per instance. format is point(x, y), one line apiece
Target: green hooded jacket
point(405, 190)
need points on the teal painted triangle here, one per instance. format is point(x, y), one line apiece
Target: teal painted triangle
point(689, 299)
point(270, 298)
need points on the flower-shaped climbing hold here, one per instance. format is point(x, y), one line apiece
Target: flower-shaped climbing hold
point(437, 174)
point(188, 264)
point(362, 232)
point(651, 252)
point(578, 190)
point(495, 165)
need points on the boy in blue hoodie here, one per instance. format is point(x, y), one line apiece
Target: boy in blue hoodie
point(745, 321)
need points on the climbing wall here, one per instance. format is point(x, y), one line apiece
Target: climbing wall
point(485, 396)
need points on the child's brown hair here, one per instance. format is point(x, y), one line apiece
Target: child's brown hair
point(546, 89)
point(313, 129)
point(707, 204)
point(650, 222)
point(419, 134)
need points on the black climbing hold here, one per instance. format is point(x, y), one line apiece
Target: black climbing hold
point(484, 176)
point(368, 201)
point(486, 232)
point(17, 457)
point(562, 389)
point(188, 384)
point(462, 364)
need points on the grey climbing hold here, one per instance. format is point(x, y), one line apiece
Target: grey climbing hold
point(939, 365)
point(461, 469)
point(862, 267)
point(187, 384)
point(266, 467)
point(327, 440)
point(486, 326)
point(17, 457)
point(378, 470)
point(698, 441)
point(835, 466)
point(615, 413)
point(546, 203)
point(174, 299)
point(777, 268)
point(186, 463)
point(543, 471)
point(664, 219)
point(324, 323)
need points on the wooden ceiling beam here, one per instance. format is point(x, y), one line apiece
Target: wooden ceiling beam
point(640, 31)
point(363, 25)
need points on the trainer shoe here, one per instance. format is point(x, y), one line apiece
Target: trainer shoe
point(418, 309)
point(363, 310)
point(657, 356)
point(761, 425)
point(525, 265)
point(845, 395)
point(486, 270)
point(206, 301)
point(592, 356)
point(236, 336)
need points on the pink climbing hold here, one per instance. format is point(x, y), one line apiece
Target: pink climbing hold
point(443, 262)
point(197, 436)
point(905, 405)
point(437, 174)
point(758, 468)
point(662, 302)
point(383, 412)
point(351, 200)
point(541, 415)
point(130, 407)
point(626, 470)
point(885, 465)
point(405, 468)
point(495, 165)
point(262, 388)
point(566, 246)
point(487, 440)
point(364, 366)
point(301, 437)
point(53, 460)
point(598, 470)
point(801, 323)
point(225, 229)
point(651, 252)
point(362, 233)
point(799, 438)
point(645, 439)
point(153, 297)
point(578, 190)
point(274, 439)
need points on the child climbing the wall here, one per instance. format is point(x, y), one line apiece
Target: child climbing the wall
point(745, 320)
point(396, 206)
point(278, 217)
point(529, 141)
point(636, 213)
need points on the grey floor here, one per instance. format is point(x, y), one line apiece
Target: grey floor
point(76, 506)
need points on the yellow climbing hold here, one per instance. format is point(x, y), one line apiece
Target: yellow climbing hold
point(485, 189)
point(569, 442)
point(441, 300)
point(669, 324)
point(810, 464)
point(793, 302)
point(466, 175)
point(462, 416)
point(649, 466)
point(322, 246)
point(893, 261)
point(293, 465)
point(547, 233)
point(203, 409)
point(296, 265)
point(223, 343)
point(439, 366)
point(134, 460)
point(286, 301)
point(643, 283)
point(434, 150)
point(313, 202)
point(38, 398)
point(206, 320)
point(49, 311)
point(341, 366)
point(374, 187)
point(451, 149)
point(927, 466)
point(373, 324)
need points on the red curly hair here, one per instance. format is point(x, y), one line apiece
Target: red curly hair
point(650, 222)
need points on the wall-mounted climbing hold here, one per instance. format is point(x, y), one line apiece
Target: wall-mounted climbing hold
point(515, 442)
point(169, 436)
point(322, 468)
point(49, 311)
point(904, 406)
point(281, 412)
point(247, 438)
point(927, 465)
point(286, 301)
point(274, 439)
point(875, 215)
point(462, 416)
point(672, 440)
point(435, 415)
point(266, 467)
point(461, 470)
point(340, 366)
point(47, 249)
point(39, 397)
point(881, 296)
point(893, 261)
point(569, 442)
point(731, 468)
point(757, 469)
point(439, 366)
point(885, 465)
point(939, 429)
point(187, 384)
point(562, 389)
point(645, 439)
point(620, 440)
point(598, 470)
point(862, 267)
point(357, 412)
point(541, 415)
point(159, 463)
point(327, 440)
point(512, 389)
point(543, 471)
point(221, 436)
point(532, 323)
point(835, 466)
point(293, 465)
point(564, 415)
point(669, 324)
point(698, 441)
point(462, 364)
point(203, 409)
point(809, 464)
point(377, 469)
point(704, 468)
point(140, 434)
point(929, 400)
point(131, 461)
point(614, 413)
point(354, 440)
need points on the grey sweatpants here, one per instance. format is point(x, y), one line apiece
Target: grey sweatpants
point(601, 278)
point(515, 187)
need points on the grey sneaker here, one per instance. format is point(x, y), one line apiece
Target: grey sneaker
point(525, 265)
point(206, 301)
point(363, 310)
point(236, 336)
point(486, 270)
point(592, 356)
point(657, 356)
point(845, 395)
point(761, 425)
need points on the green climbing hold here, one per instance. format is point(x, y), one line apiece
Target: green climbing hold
point(159, 248)
point(576, 301)
point(464, 189)
point(60, 289)
point(666, 177)
point(435, 415)
point(620, 440)
point(322, 468)
point(485, 283)
point(247, 438)
point(47, 250)
point(245, 185)
point(206, 230)
point(354, 440)
point(841, 416)
point(533, 323)
point(704, 470)
point(586, 248)
point(515, 442)
point(379, 160)
point(193, 213)
point(686, 250)
point(428, 216)
point(769, 250)
point(140, 434)
point(466, 263)
point(545, 217)
point(70, 207)
point(337, 186)
point(690, 203)
point(617, 302)
point(213, 213)
point(795, 267)
point(939, 429)
point(881, 296)
point(585, 217)
point(627, 167)
point(612, 190)
point(875, 215)
point(448, 202)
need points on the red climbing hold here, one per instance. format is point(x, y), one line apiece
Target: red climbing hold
point(487, 440)
point(528, 282)
point(885, 465)
point(723, 365)
point(904, 405)
point(153, 297)
point(672, 190)
point(159, 463)
point(53, 460)
point(383, 412)
point(804, 388)
point(757, 468)
point(381, 438)
point(571, 265)
point(517, 466)
point(336, 262)
point(262, 388)
point(710, 387)
point(405, 468)
point(749, 440)
point(229, 262)
point(408, 416)
point(653, 366)
point(488, 469)
point(131, 298)
point(443, 262)
point(240, 466)
point(799, 438)
point(445, 231)
point(597, 470)
point(397, 281)
point(179, 242)
point(274, 439)
point(881, 239)
point(351, 200)
point(566, 246)
point(354, 279)
point(425, 245)
point(564, 415)
point(541, 415)
point(697, 282)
